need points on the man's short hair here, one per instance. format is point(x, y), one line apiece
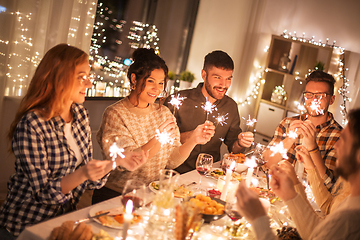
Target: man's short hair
point(354, 125)
point(218, 59)
point(320, 76)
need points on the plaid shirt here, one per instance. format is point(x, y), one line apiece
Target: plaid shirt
point(43, 157)
point(326, 136)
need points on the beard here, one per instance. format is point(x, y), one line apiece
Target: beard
point(348, 164)
point(211, 90)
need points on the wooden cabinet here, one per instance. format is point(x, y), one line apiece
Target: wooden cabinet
point(287, 76)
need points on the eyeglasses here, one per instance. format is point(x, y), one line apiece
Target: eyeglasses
point(84, 78)
point(320, 95)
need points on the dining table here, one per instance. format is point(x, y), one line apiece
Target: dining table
point(212, 230)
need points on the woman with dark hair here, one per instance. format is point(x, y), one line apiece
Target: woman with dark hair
point(51, 140)
point(133, 122)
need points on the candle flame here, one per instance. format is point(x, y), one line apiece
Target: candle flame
point(129, 206)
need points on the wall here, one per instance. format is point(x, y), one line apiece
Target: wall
point(244, 28)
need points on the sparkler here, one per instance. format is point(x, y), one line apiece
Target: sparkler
point(220, 119)
point(209, 108)
point(315, 106)
point(114, 152)
point(250, 122)
point(279, 148)
point(164, 137)
point(176, 101)
point(292, 134)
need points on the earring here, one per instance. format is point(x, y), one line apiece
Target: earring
point(132, 87)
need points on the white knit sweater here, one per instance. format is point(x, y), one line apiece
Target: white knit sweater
point(131, 127)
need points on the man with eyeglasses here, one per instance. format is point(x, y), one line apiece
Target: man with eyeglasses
point(316, 129)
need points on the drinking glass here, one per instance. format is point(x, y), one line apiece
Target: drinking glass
point(134, 190)
point(231, 210)
point(204, 164)
point(167, 183)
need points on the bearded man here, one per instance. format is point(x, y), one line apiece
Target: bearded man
point(217, 74)
point(316, 129)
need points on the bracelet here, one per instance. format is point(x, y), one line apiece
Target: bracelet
point(314, 150)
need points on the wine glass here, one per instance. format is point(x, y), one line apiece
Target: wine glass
point(231, 210)
point(134, 190)
point(204, 164)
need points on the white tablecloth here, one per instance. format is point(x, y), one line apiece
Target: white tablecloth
point(43, 230)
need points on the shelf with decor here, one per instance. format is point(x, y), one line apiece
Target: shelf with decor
point(287, 66)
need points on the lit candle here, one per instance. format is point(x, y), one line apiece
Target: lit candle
point(227, 180)
point(127, 218)
point(251, 163)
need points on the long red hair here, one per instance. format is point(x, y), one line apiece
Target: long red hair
point(51, 85)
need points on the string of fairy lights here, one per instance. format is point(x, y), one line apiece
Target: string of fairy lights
point(339, 76)
point(24, 56)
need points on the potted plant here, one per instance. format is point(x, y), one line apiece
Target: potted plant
point(186, 79)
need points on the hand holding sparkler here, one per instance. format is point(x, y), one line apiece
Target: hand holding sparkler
point(203, 133)
point(245, 139)
point(166, 132)
point(302, 154)
point(281, 183)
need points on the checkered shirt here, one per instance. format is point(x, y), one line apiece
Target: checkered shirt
point(326, 136)
point(43, 157)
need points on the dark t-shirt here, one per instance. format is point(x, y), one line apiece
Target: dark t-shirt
point(191, 114)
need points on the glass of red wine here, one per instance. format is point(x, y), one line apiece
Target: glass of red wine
point(134, 190)
point(231, 210)
point(204, 164)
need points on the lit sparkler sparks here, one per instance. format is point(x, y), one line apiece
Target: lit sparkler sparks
point(221, 119)
point(176, 101)
point(279, 148)
point(209, 108)
point(250, 122)
point(164, 137)
point(315, 106)
point(292, 134)
point(114, 152)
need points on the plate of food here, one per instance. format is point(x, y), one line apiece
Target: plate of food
point(265, 193)
point(218, 173)
point(211, 208)
point(115, 217)
point(239, 158)
point(181, 191)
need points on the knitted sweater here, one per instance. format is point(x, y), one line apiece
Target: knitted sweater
point(131, 127)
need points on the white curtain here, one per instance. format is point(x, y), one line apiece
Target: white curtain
point(35, 27)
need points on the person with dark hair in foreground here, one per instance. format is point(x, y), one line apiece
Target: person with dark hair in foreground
point(342, 223)
point(217, 74)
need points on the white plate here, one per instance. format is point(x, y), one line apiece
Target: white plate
point(114, 210)
point(240, 167)
point(175, 195)
point(152, 188)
